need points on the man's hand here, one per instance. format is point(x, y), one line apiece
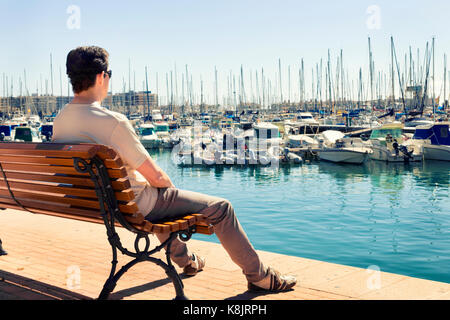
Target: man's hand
point(155, 175)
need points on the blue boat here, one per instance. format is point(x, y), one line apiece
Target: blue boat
point(46, 132)
point(435, 140)
point(5, 132)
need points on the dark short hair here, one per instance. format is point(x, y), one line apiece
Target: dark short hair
point(83, 64)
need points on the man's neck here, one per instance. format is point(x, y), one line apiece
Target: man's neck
point(85, 98)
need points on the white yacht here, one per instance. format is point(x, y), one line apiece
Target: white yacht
point(335, 147)
point(300, 122)
point(162, 131)
point(156, 115)
point(306, 118)
point(148, 136)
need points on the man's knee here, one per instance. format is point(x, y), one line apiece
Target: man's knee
point(225, 209)
point(226, 204)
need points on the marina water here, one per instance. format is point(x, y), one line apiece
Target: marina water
point(394, 216)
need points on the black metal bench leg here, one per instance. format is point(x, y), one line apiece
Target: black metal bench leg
point(170, 270)
point(2, 252)
point(109, 285)
point(177, 283)
point(173, 274)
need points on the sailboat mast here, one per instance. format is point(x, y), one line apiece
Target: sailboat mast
point(329, 83)
point(263, 87)
point(371, 74)
point(434, 92)
point(281, 88)
point(146, 91)
point(342, 79)
point(51, 72)
point(445, 78)
point(216, 87)
point(392, 71)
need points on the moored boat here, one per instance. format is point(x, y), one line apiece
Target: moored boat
point(434, 140)
point(336, 148)
point(388, 144)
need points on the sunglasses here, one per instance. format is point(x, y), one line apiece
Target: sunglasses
point(109, 73)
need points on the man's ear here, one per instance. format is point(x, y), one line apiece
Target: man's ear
point(99, 79)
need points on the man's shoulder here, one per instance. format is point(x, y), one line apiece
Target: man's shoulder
point(95, 110)
point(119, 116)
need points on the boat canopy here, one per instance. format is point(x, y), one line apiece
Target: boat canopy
point(439, 134)
point(47, 129)
point(148, 131)
point(266, 130)
point(395, 129)
point(6, 130)
point(162, 126)
point(301, 139)
point(332, 135)
point(23, 133)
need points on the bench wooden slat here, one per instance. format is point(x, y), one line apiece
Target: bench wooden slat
point(113, 173)
point(116, 163)
point(35, 205)
point(129, 207)
point(191, 219)
point(205, 229)
point(125, 195)
point(200, 218)
point(118, 184)
point(104, 152)
point(160, 228)
point(182, 223)
point(85, 151)
point(142, 226)
point(173, 226)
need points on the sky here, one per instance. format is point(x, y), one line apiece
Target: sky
point(222, 34)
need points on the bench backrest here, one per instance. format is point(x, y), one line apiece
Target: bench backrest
point(43, 179)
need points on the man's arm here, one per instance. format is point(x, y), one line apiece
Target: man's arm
point(125, 140)
point(155, 175)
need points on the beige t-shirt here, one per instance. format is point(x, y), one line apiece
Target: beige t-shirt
point(92, 123)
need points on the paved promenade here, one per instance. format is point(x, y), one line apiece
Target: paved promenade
point(54, 258)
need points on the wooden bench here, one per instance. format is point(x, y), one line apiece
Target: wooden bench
point(88, 182)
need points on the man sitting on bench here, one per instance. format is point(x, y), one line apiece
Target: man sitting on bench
point(84, 120)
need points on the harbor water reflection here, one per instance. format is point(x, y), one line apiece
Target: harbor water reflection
point(392, 215)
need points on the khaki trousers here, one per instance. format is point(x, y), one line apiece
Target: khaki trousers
point(174, 202)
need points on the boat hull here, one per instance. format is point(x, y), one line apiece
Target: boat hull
point(343, 156)
point(436, 152)
point(384, 154)
point(150, 144)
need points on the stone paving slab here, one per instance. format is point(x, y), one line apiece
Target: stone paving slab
point(53, 258)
